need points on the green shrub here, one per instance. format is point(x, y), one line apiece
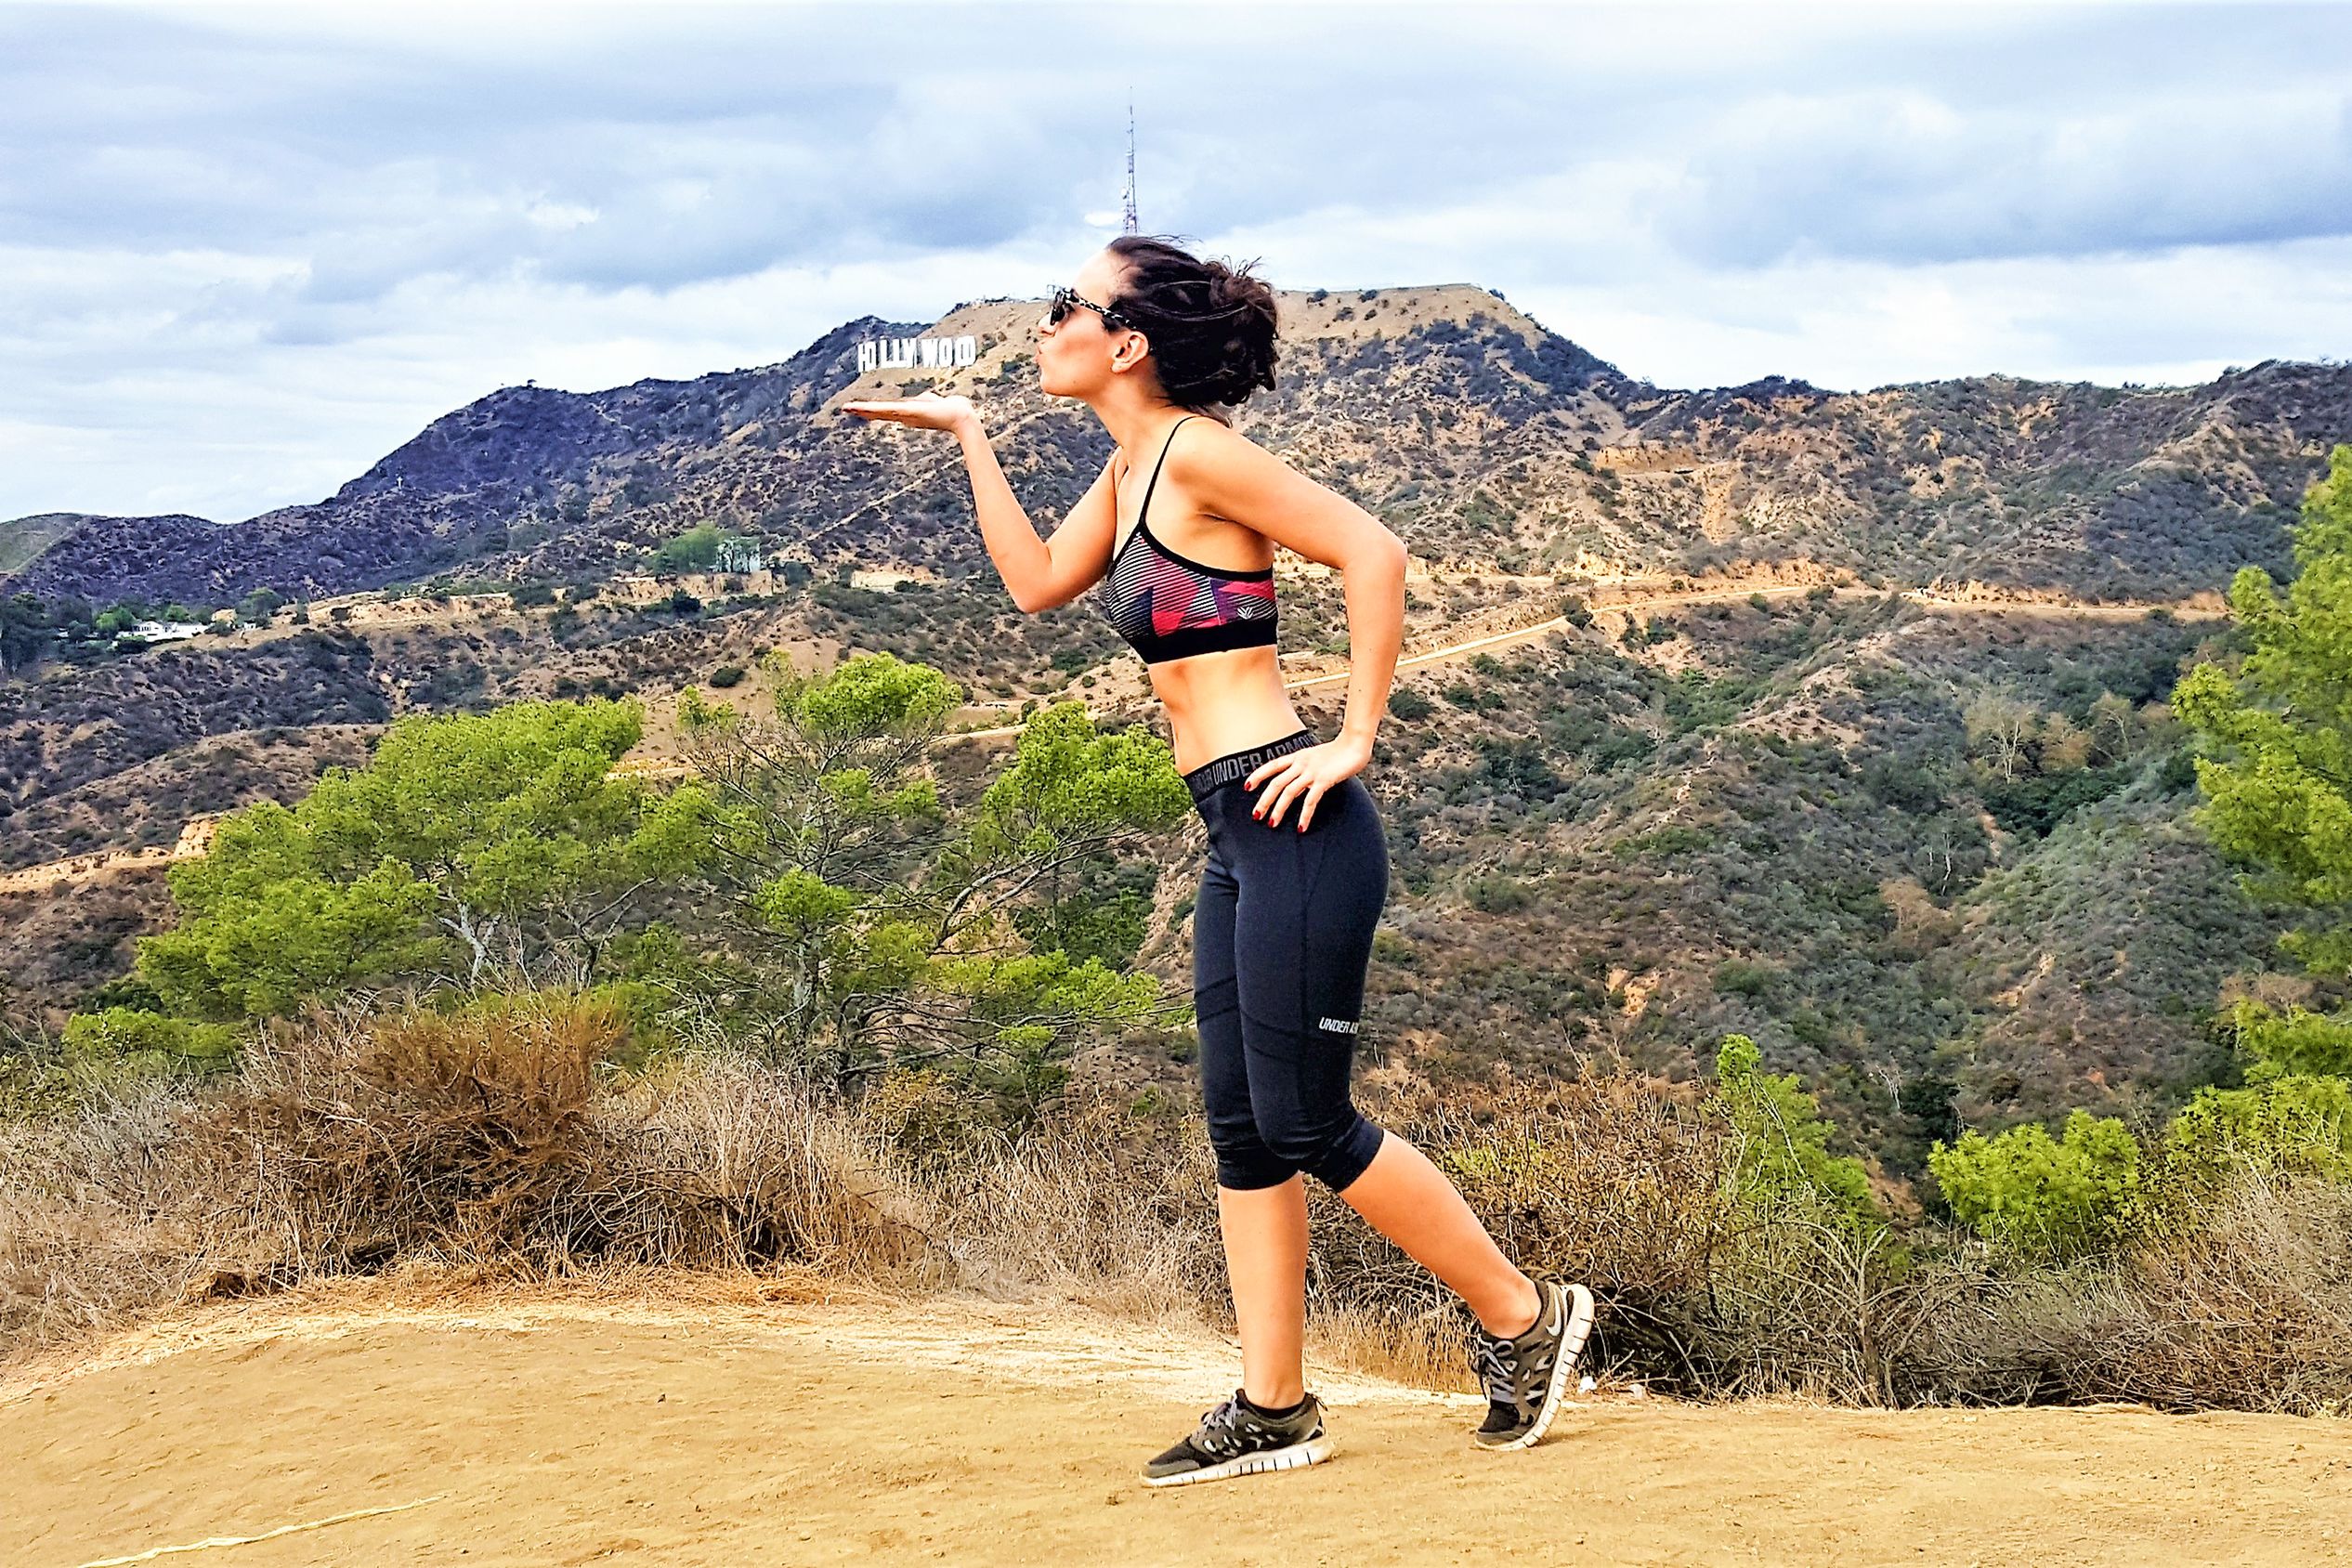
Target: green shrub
point(2041, 1198)
point(2297, 1041)
point(135, 1037)
point(1496, 894)
point(692, 551)
point(1784, 1160)
point(2295, 1124)
point(1738, 977)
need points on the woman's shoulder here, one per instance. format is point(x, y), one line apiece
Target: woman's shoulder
point(1216, 448)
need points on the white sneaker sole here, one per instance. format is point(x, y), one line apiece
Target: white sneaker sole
point(1563, 1366)
point(1296, 1456)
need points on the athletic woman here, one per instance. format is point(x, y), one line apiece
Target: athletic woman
point(1159, 344)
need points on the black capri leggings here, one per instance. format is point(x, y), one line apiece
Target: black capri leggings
point(1282, 935)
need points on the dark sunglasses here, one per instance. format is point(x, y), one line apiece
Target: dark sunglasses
point(1064, 301)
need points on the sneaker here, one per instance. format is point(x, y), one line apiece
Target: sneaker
point(1525, 1378)
point(1236, 1438)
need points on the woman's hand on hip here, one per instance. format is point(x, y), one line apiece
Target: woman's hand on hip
point(1302, 776)
point(928, 410)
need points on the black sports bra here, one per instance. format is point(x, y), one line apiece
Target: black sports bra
point(1168, 606)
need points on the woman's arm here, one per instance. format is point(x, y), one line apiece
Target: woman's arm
point(1236, 479)
point(1039, 573)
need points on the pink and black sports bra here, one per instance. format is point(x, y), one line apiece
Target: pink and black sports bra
point(1168, 606)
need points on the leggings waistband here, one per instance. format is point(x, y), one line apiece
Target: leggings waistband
point(1206, 780)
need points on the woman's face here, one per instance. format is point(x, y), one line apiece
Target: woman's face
point(1074, 358)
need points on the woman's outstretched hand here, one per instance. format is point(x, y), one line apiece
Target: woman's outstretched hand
point(927, 411)
point(1310, 769)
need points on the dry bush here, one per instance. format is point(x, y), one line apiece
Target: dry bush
point(1091, 1201)
point(96, 1220)
point(510, 1142)
point(2250, 1302)
point(501, 1139)
point(505, 1136)
point(2245, 1304)
point(727, 1162)
point(1605, 1177)
point(353, 1140)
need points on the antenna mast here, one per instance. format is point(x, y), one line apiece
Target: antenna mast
point(1127, 217)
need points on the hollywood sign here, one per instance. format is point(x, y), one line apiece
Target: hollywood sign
point(916, 353)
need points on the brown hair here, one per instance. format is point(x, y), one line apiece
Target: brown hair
point(1211, 327)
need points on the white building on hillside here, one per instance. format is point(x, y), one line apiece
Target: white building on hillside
point(164, 630)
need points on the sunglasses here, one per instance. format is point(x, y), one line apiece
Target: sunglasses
point(1066, 301)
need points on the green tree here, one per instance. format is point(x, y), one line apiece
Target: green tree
point(1782, 1142)
point(694, 550)
point(24, 630)
point(2299, 1123)
point(879, 928)
point(465, 840)
point(148, 1040)
point(2279, 791)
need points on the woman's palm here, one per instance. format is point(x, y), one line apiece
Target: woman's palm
point(929, 411)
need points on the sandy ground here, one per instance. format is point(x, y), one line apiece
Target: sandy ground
point(571, 1429)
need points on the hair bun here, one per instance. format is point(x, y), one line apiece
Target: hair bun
point(1211, 325)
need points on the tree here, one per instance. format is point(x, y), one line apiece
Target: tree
point(2002, 724)
point(2065, 747)
point(1783, 1161)
point(2275, 743)
point(24, 630)
point(465, 840)
point(2115, 726)
point(694, 550)
point(875, 927)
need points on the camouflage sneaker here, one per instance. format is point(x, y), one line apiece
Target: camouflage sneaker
point(1525, 1377)
point(1236, 1438)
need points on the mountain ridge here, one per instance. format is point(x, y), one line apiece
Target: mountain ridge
point(529, 481)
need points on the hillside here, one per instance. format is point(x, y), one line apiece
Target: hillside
point(621, 1428)
point(1754, 781)
point(22, 539)
point(1479, 435)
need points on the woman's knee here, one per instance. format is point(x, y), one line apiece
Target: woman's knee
point(1246, 1164)
point(1335, 1150)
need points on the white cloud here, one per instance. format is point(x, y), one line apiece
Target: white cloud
point(244, 252)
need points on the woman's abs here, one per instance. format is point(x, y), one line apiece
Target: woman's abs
point(1222, 702)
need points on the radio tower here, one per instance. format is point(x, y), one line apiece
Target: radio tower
point(1128, 215)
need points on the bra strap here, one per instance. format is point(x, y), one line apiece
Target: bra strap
point(1142, 510)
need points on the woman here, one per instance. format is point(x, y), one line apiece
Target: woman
point(1158, 343)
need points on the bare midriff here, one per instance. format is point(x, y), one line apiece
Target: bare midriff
point(1222, 702)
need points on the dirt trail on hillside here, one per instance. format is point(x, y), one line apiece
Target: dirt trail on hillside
point(569, 1430)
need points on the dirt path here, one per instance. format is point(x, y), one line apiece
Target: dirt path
point(570, 1431)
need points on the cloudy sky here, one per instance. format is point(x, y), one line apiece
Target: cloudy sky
point(244, 251)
